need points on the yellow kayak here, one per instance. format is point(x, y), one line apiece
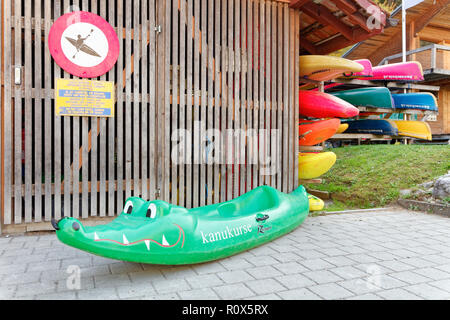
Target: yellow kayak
point(342, 128)
point(415, 129)
point(315, 204)
point(324, 68)
point(313, 165)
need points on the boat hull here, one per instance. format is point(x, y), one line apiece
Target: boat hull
point(417, 100)
point(375, 97)
point(324, 68)
point(316, 104)
point(367, 72)
point(315, 132)
point(414, 129)
point(314, 165)
point(176, 235)
point(373, 126)
point(403, 71)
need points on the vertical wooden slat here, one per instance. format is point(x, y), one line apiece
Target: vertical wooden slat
point(111, 131)
point(166, 111)
point(152, 80)
point(285, 98)
point(262, 103)
point(280, 95)
point(196, 151)
point(203, 100)
point(57, 134)
point(229, 146)
point(268, 105)
point(244, 99)
point(2, 104)
point(296, 94)
point(250, 101)
point(224, 104)
point(183, 30)
point(136, 105)
point(189, 59)
point(145, 102)
point(175, 95)
point(7, 116)
point(289, 152)
point(128, 123)
point(217, 98)
point(256, 97)
point(237, 103)
point(273, 74)
point(102, 139)
point(38, 112)
point(119, 108)
point(210, 68)
point(85, 153)
point(28, 76)
point(17, 116)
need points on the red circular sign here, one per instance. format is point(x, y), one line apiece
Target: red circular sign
point(83, 44)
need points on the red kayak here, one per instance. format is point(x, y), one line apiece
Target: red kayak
point(312, 132)
point(315, 104)
point(402, 71)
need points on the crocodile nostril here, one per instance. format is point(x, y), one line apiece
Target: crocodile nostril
point(75, 226)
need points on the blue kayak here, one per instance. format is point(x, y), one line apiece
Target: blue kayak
point(372, 126)
point(419, 100)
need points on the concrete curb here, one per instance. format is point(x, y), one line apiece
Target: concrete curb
point(435, 208)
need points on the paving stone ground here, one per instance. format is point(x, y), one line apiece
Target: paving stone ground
point(390, 254)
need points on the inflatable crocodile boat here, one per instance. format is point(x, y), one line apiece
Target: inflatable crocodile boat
point(157, 232)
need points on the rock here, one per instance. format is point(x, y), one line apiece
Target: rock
point(405, 192)
point(427, 185)
point(441, 188)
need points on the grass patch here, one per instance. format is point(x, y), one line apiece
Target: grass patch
point(372, 176)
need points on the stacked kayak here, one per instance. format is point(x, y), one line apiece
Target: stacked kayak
point(325, 68)
point(419, 100)
point(312, 132)
point(373, 126)
point(157, 232)
point(414, 129)
point(316, 104)
point(375, 97)
point(342, 128)
point(313, 165)
point(402, 71)
point(315, 203)
point(367, 72)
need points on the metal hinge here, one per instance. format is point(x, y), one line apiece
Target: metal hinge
point(158, 29)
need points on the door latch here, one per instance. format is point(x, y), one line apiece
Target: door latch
point(158, 29)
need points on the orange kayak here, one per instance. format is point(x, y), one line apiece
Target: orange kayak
point(315, 132)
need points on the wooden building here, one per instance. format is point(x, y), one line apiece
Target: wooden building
point(428, 41)
point(231, 64)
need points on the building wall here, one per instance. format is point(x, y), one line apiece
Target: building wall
point(230, 64)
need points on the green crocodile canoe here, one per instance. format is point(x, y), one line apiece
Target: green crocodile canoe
point(376, 97)
point(157, 232)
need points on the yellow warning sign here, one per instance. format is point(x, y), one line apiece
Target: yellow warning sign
point(84, 98)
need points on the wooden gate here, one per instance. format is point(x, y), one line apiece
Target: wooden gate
point(215, 64)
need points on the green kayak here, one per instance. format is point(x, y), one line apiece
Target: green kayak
point(157, 232)
point(376, 97)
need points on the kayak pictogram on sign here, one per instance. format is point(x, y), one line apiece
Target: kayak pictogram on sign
point(83, 44)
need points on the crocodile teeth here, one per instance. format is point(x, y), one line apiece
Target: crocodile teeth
point(95, 236)
point(164, 241)
point(147, 243)
point(125, 240)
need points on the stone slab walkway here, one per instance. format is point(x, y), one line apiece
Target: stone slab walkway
point(392, 254)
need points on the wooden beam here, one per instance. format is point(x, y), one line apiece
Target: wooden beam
point(308, 46)
point(297, 4)
point(341, 42)
point(352, 13)
point(324, 16)
point(423, 20)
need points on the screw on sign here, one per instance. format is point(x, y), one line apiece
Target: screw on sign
point(83, 44)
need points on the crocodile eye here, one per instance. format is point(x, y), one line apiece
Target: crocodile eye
point(128, 207)
point(151, 211)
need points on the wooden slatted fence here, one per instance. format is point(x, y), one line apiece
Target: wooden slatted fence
point(220, 65)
